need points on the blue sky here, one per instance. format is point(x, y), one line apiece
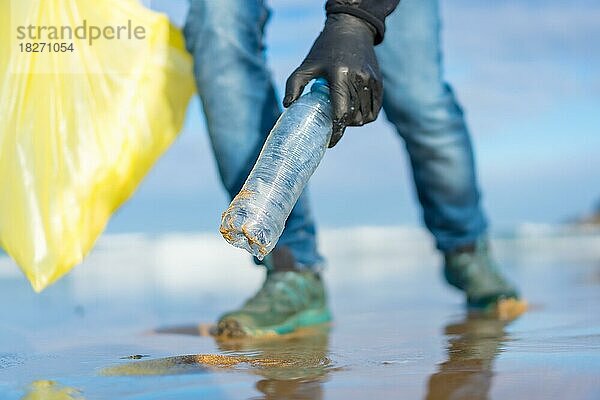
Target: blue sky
point(526, 73)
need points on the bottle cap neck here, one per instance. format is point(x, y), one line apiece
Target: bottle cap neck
point(320, 85)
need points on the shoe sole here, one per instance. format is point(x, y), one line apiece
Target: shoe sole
point(504, 309)
point(232, 328)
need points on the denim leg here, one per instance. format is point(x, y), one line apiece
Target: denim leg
point(426, 114)
point(225, 38)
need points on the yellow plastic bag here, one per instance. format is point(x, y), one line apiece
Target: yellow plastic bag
point(81, 122)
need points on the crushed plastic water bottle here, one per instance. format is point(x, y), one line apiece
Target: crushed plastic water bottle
point(256, 217)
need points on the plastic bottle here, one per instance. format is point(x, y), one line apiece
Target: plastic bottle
point(256, 217)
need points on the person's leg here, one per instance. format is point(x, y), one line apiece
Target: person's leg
point(225, 38)
point(427, 115)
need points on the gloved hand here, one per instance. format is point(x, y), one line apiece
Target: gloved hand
point(344, 55)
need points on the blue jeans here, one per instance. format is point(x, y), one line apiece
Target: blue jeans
point(225, 38)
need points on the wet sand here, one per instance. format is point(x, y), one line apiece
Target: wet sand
point(132, 323)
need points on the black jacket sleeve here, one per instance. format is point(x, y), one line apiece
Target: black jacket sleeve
point(372, 11)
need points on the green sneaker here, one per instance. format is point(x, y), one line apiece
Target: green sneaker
point(287, 300)
point(473, 271)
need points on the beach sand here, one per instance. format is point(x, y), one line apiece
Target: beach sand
point(132, 323)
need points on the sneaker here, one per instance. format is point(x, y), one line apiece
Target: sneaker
point(472, 270)
point(287, 301)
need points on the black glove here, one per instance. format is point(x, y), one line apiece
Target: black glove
point(344, 55)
